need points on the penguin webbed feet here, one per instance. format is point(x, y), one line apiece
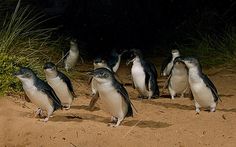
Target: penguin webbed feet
point(38, 113)
point(115, 122)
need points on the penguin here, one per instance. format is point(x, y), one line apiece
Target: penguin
point(60, 83)
point(168, 63)
point(178, 80)
point(98, 62)
point(72, 55)
point(144, 75)
point(204, 91)
point(111, 64)
point(114, 59)
point(113, 95)
point(39, 92)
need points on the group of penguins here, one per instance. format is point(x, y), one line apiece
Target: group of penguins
point(184, 75)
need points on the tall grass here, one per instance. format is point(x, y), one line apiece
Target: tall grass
point(212, 49)
point(23, 42)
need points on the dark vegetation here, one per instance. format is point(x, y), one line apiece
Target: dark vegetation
point(32, 30)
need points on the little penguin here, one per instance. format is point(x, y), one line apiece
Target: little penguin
point(168, 63)
point(144, 75)
point(72, 55)
point(60, 83)
point(114, 59)
point(178, 80)
point(39, 92)
point(113, 95)
point(204, 92)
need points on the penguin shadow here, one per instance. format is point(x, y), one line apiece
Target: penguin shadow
point(85, 107)
point(79, 118)
point(170, 105)
point(227, 110)
point(226, 95)
point(146, 124)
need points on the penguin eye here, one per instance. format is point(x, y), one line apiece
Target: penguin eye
point(27, 75)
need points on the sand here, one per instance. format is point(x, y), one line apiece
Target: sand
point(159, 122)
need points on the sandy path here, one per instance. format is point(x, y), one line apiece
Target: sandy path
point(159, 122)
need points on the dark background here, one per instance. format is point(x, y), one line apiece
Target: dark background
point(147, 24)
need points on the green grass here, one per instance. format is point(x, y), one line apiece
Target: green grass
point(23, 42)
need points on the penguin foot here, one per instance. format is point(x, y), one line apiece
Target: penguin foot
point(67, 107)
point(44, 120)
point(197, 110)
point(39, 113)
point(113, 119)
point(213, 110)
point(172, 97)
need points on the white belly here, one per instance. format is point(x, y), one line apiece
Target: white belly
point(39, 98)
point(61, 90)
point(138, 77)
point(179, 80)
point(113, 102)
point(202, 94)
point(71, 59)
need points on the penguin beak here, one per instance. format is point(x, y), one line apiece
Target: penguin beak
point(16, 73)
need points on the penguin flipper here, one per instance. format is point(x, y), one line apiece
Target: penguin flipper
point(67, 81)
point(123, 92)
point(212, 87)
point(44, 87)
point(165, 63)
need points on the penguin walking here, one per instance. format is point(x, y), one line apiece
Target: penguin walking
point(111, 64)
point(168, 63)
point(113, 95)
point(72, 55)
point(204, 92)
point(60, 83)
point(178, 80)
point(39, 92)
point(144, 75)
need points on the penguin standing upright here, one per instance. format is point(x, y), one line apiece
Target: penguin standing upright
point(72, 55)
point(144, 75)
point(111, 64)
point(168, 63)
point(178, 80)
point(114, 59)
point(60, 83)
point(204, 92)
point(39, 92)
point(113, 95)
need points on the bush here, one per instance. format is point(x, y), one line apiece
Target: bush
point(22, 43)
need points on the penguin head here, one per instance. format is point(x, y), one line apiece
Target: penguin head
point(179, 63)
point(134, 54)
point(50, 68)
point(102, 75)
point(190, 62)
point(98, 62)
point(25, 74)
point(175, 53)
point(73, 42)
point(74, 45)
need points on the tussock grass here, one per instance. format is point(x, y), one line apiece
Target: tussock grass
point(212, 49)
point(23, 42)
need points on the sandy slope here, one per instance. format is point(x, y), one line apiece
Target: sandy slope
point(159, 122)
